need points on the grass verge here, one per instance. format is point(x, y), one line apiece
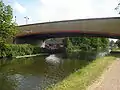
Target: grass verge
point(81, 79)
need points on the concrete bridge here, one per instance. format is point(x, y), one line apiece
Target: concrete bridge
point(98, 27)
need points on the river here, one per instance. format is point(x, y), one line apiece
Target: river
point(36, 73)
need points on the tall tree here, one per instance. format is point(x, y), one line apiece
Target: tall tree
point(7, 27)
point(112, 43)
point(89, 43)
point(118, 8)
point(118, 43)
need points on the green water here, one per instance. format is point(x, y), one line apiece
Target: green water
point(35, 73)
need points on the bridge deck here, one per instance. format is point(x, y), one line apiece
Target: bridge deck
point(109, 27)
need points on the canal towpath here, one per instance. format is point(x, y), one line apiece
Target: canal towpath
point(110, 79)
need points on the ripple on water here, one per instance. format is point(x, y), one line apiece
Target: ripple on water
point(29, 82)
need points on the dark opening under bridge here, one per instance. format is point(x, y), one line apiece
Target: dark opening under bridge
point(98, 27)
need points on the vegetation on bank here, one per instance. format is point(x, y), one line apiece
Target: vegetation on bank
point(87, 44)
point(13, 50)
point(82, 78)
point(8, 28)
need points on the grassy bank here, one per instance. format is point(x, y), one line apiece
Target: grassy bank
point(81, 79)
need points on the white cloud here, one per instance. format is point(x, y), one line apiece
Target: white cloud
point(53, 10)
point(65, 9)
point(19, 8)
point(74, 9)
point(105, 8)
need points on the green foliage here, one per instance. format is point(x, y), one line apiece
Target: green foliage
point(12, 50)
point(112, 43)
point(8, 28)
point(104, 43)
point(36, 50)
point(118, 43)
point(69, 45)
point(87, 43)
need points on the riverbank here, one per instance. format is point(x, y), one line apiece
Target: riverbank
point(15, 50)
point(82, 78)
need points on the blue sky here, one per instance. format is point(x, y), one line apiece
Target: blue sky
point(54, 10)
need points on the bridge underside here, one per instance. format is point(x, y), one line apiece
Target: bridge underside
point(37, 38)
point(100, 27)
point(74, 33)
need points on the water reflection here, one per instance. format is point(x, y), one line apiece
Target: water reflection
point(37, 73)
point(5, 84)
point(29, 82)
point(53, 59)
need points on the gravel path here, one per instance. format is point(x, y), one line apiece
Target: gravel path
point(110, 79)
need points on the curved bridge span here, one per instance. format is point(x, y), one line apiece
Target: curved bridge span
point(98, 27)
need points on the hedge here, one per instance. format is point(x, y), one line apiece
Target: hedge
point(12, 50)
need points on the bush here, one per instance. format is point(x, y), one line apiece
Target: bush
point(12, 50)
point(36, 50)
point(87, 43)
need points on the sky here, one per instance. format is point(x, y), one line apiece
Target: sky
point(56, 10)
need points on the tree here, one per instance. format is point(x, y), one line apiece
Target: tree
point(112, 43)
point(88, 43)
point(118, 8)
point(118, 43)
point(8, 28)
point(104, 43)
